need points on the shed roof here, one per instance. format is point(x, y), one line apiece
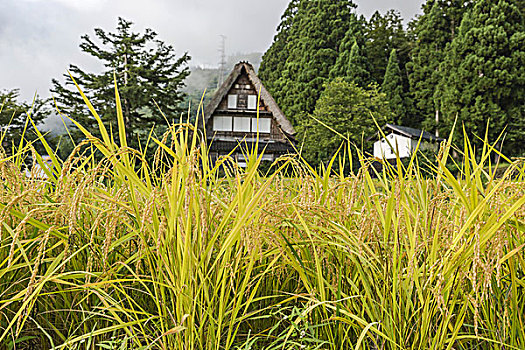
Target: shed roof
point(412, 133)
point(241, 67)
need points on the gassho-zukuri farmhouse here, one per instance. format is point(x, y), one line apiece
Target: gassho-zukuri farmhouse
point(231, 119)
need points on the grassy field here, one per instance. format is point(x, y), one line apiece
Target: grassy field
point(166, 251)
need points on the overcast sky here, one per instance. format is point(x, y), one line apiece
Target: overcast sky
point(40, 38)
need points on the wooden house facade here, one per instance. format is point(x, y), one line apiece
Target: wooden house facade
point(238, 113)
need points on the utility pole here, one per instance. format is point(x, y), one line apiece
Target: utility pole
point(222, 62)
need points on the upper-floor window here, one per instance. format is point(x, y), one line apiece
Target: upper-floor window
point(252, 101)
point(232, 101)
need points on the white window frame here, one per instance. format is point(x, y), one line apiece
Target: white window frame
point(222, 123)
point(267, 157)
point(232, 101)
point(241, 124)
point(265, 125)
point(252, 102)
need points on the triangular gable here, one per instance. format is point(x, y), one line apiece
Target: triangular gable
point(277, 114)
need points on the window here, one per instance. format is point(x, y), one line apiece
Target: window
point(265, 125)
point(232, 101)
point(252, 102)
point(242, 101)
point(241, 124)
point(222, 123)
point(267, 157)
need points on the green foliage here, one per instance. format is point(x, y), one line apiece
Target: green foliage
point(14, 122)
point(357, 70)
point(145, 68)
point(392, 87)
point(433, 31)
point(484, 75)
point(521, 6)
point(274, 59)
point(355, 33)
point(385, 33)
point(345, 111)
point(311, 44)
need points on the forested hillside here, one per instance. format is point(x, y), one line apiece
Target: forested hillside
point(460, 60)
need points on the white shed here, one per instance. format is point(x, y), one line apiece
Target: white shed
point(37, 172)
point(404, 140)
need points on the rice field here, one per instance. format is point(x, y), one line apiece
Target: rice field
point(118, 249)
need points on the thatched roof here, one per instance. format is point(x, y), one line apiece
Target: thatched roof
point(279, 116)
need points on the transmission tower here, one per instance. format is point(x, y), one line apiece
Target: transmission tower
point(222, 62)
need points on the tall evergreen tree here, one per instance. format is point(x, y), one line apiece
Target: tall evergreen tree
point(392, 87)
point(313, 43)
point(147, 72)
point(357, 70)
point(485, 74)
point(275, 57)
point(355, 33)
point(435, 29)
point(384, 33)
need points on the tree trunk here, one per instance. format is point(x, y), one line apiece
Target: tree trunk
point(437, 122)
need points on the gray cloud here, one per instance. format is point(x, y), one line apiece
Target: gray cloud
point(40, 38)
point(408, 8)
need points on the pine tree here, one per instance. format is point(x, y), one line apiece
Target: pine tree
point(485, 74)
point(433, 31)
point(392, 87)
point(357, 67)
point(312, 47)
point(147, 72)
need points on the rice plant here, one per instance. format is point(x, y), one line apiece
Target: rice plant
point(116, 248)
